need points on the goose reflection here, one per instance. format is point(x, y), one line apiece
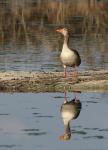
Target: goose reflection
point(69, 110)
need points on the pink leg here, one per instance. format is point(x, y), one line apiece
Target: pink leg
point(65, 74)
point(75, 97)
point(75, 74)
point(74, 93)
point(65, 94)
point(65, 99)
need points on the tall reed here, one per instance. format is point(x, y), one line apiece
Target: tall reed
point(84, 16)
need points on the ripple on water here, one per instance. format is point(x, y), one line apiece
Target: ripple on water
point(91, 128)
point(4, 114)
point(7, 146)
point(92, 102)
point(38, 115)
point(81, 132)
point(103, 129)
point(94, 137)
point(43, 116)
point(34, 132)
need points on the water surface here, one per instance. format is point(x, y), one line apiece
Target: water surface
point(29, 42)
point(44, 56)
point(33, 121)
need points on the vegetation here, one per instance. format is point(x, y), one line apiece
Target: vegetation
point(22, 16)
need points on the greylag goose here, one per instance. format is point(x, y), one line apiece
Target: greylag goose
point(69, 110)
point(69, 57)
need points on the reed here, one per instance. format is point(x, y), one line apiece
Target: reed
point(84, 16)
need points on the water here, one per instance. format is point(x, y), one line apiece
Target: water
point(33, 121)
point(44, 56)
point(30, 43)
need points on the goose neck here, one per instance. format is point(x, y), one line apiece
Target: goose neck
point(66, 40)
point(67, 128)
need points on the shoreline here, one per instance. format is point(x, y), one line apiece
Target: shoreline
point(20, 81)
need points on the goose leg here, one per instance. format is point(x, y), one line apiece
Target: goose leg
point(74, 93)
point(75, 98)
point(65, 98)
point(75, 73)
point(65, 74)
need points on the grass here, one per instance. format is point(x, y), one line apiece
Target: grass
point(83, 16)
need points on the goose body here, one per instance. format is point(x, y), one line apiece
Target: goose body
point(69, 111)
point(69, 57)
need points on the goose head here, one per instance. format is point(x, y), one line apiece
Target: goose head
point(65, 137)
point(64, 31)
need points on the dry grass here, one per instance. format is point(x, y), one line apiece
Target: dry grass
point(84, 16)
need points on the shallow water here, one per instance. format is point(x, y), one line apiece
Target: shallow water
point(44, 56)
point(33, 121)
point(29, 41)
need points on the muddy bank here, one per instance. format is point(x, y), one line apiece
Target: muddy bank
point(18, 81)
